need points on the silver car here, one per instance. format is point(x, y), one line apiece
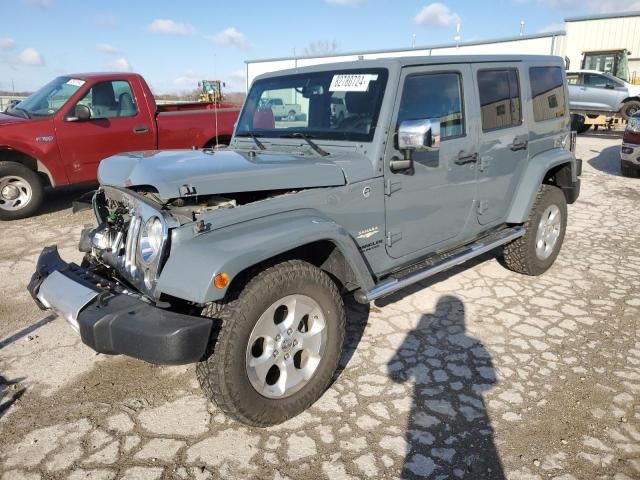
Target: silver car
point(594, 92)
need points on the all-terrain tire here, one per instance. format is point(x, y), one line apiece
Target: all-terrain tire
point(30, 187)
point(629, 108)
point(223, 375)
point(520, 255)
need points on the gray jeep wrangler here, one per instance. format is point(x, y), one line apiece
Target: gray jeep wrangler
point(239, 259)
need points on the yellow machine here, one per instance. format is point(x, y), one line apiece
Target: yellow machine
point(211, 91)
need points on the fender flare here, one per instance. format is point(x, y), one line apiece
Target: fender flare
point(193, 263)
point(533, 177)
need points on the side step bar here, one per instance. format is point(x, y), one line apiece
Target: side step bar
point(444, 262)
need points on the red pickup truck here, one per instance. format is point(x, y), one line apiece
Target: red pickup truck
point(59, 135)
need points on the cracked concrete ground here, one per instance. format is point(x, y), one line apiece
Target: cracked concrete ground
point(479, 373)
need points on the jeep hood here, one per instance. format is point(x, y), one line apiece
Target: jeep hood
point(205, 172)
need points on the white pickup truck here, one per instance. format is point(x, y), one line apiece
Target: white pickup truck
point(281, 110)
point(594, 93)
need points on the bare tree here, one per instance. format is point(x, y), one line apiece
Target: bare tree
point(321, 47)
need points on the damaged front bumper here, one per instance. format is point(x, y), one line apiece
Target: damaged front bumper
point(113, 321)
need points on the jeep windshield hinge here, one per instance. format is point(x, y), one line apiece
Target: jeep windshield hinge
point(393, 237)
point(483, 206)
point(391, 187)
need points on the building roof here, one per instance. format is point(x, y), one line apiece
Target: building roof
point(602, 16)
point(425, 47)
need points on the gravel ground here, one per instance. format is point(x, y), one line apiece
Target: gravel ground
point(478, 373)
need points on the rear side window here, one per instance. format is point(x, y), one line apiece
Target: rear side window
point(547, 93)
point(499, 98)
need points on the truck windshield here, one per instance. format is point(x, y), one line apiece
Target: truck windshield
point(49, 99)
point(330, 105)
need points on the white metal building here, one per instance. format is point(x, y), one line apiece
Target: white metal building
point(596, 32)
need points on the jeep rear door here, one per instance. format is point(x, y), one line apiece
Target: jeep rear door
point(504, 137)
point(429, 208)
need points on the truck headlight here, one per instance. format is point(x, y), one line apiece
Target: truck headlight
point(634, 125)
point(151, 240)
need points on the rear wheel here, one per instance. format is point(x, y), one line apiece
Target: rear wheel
point(279, 346)
point(21, 191)
point(629, 108)
point(292, 116)
point(537, 249)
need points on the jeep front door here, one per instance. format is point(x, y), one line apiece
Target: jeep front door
point(428, 208)
point(504, 138)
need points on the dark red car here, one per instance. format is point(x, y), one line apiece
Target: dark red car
point(59, 135)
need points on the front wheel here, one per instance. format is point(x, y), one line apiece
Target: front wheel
point(292, 116)
point(537, 249)
point(281, 338)
point(21, 191)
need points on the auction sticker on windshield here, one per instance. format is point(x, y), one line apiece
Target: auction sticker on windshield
point(75, 82)
point(351, 82)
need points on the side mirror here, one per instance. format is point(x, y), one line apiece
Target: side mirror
point(419, 135)
point(610, 86)
point(81, 112)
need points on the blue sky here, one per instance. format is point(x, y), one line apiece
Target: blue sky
point(174, 44)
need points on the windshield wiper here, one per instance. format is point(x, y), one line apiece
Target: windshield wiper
point(259, 144)
point(307, 138)
point(20, 109)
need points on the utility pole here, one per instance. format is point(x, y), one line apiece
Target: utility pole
point(521, 27)
point(413, 40)
point(457, 37)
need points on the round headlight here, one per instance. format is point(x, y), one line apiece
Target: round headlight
point(151, 239)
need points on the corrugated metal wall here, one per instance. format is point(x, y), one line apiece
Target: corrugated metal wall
point(602, 34)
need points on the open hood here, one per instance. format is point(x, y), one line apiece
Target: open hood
point(176, 173)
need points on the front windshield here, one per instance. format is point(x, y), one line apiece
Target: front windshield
point(49, 99)
point(330, 105)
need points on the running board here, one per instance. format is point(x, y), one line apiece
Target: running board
point(438, 263)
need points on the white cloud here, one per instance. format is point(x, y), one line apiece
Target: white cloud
point(105, 20)
point(437, 15)
point(346, 3)
point(30, 56)
point(231, 37)
point(7, 43)
point(37, 3)
point(163, 25)
point(121, 64)
point(553, 27)
point(107, 49)
point(189, 80)
point(236, 80)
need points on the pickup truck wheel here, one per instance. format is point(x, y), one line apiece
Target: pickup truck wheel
point(292, 116)
point(627, 170)
point(629, 108)
point(537, 249)
point(21, 191)
point(281, 338)
point(584, 128)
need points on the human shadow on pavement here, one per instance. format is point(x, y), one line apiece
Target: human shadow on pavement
point(449, 433)
point(11, 389)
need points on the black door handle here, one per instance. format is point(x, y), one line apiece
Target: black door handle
point(464, 159)
point(515, 146)
point(141, 129)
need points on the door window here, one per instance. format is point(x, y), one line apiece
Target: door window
point(434, 95)
point(113, 99)
point(573, 78)
point(499, 98)
point(547, 93)
point(595, 80)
